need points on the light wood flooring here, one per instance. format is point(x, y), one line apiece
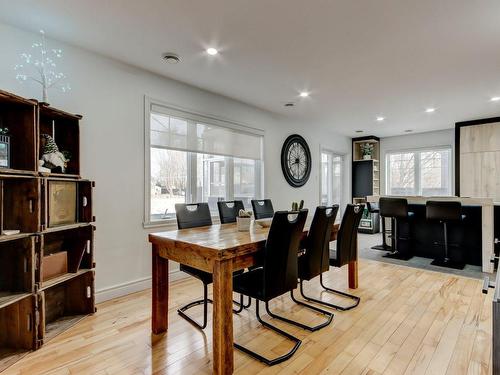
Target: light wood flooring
point(410, 321)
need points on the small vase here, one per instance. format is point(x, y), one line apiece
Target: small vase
point(243, 223)
point(367, 157)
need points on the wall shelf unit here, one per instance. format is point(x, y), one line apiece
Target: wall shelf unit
point(52, 213)
point(366, 179)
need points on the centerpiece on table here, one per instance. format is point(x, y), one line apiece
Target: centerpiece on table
point(243, 220)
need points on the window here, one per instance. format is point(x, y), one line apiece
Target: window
point(421, 172)
point(192, 158)
point(331, 179)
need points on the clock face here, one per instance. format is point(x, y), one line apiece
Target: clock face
point(296, 160)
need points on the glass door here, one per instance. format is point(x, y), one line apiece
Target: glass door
point(331, 179)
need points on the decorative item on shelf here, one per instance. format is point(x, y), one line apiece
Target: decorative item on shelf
point(52, 158)
point(4, 148)
point(366, 150)
point(298, 206)
point(10, 232)
point(243, 220)
point(41, 68)
point(55, 265)
point(62, 203)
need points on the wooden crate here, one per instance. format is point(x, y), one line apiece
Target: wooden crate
point(17, 268)
point(20, 203)
point(66, 202)
point(19, 115)
point(65, 130)
point(77, 242)
point(18, 330)
point(64, 304)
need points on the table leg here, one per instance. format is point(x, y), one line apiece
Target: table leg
point(223, 318)
point(353, 271)
point(159, 319)
point(353, 274)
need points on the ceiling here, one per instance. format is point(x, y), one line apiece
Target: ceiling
point(359, 59)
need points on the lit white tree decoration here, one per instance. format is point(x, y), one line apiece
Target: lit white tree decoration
point(41, 68)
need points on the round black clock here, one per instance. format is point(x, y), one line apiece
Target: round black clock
point(296, 160)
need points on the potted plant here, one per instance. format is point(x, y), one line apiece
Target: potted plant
point(366, 150)
point(243, 220)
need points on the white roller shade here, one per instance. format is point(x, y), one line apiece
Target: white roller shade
point(179, 130)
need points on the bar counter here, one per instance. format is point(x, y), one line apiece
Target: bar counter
point(475, 235)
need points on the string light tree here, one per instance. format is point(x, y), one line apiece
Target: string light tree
point(40, 67)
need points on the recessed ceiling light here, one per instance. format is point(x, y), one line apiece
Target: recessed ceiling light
point(304, 94)
point(380, 118)
point(212, 51)
point(495, 99)
point(430, 110)
point(171, 58)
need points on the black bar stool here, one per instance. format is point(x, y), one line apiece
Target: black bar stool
point(396, 209)
point(374, 208)
point(445, 212)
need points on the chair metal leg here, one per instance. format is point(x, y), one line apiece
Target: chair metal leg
point(205, 301)
point(274, 361)
point(337, 307)
point(329, 315)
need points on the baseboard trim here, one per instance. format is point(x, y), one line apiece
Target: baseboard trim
point(120, 290)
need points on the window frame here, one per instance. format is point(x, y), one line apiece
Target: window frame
point(419, 151)
point(343, 172)
point(169, 109)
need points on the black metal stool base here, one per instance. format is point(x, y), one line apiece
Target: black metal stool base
point(398, 255)
point(273, 361)
point(448, 263)
point(381, 247)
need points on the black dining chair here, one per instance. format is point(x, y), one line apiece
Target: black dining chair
point(229, 210)
point(277, 276)
point(262, 208)
point(346, 250)
point(192, 216)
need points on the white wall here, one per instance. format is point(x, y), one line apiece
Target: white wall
point(110, 96)
point(416, 141)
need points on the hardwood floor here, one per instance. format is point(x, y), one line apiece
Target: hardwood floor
point(410, 321)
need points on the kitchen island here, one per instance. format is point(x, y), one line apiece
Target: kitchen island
point(475, 235)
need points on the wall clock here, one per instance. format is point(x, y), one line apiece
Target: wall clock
point(296, 160)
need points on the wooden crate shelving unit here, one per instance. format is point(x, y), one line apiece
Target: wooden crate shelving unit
point(33, 310)
point(64, 128)
point(64, 304)
point(20, 116)
point(366, 180)
point(18, 330)
point(78, 242)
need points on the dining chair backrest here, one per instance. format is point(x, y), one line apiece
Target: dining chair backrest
point(229, 210)
point(347, 237)
point(262, 208)
point(191, 215)
point(281, 252)
point(316, 257)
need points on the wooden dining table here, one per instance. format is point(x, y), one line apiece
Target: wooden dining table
point(220, 250)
